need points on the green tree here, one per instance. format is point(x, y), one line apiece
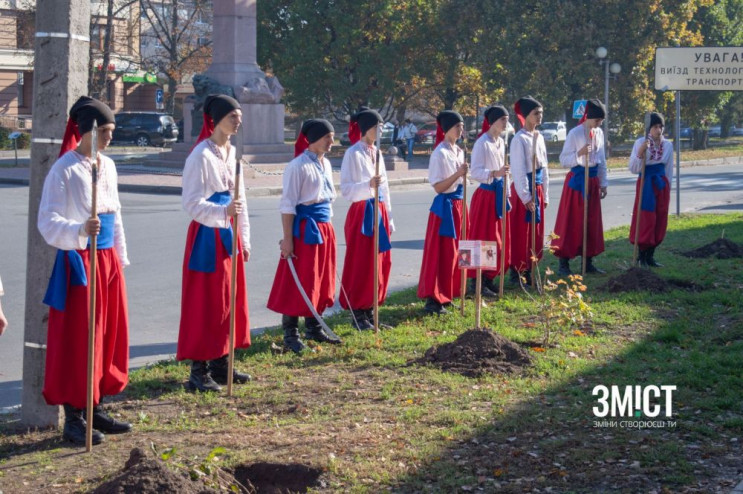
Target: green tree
point(332, 56)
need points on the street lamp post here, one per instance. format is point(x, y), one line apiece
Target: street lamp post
point(615, 69)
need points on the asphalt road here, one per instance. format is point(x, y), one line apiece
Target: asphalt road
point(156, 227)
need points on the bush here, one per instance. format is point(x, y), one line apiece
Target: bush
point(23, 141)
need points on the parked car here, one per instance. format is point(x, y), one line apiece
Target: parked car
point(714, 131)
point(736, 131)
point(388, 130)
point(145, 128)
point(553, 131)
point(472, 135)
point(426, 133)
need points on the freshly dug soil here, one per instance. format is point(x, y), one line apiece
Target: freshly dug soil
point(637, 279)
point(144, 475)
point(276, 478)
point(721, 248)
point(477, 352)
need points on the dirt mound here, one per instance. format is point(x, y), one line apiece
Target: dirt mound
point(143, 475)
point(477, 352)
point(639, 279)
point(276, 478)
point(721, 248)
point(635, 280)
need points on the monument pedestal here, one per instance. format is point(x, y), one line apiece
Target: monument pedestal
point(234, 65)
point(263, 138)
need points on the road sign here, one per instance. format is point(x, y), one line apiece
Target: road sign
point(699, 69)
point(159, 99)
point(579, 108)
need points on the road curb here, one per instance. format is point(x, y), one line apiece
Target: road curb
point(396, 182)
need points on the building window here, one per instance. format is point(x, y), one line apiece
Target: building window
point(21, 82)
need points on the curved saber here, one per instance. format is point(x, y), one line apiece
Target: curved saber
point(307, 301)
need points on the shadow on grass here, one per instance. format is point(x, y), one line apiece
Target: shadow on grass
point(553, 440)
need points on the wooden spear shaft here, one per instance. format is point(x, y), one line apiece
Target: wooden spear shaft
point(504, 216)
point(642, 186)
point(376, 235)
point(463, 284)
point(534, 259)
point(585, 203)
point(236, 258)
point(639, 210)
point(93, 252)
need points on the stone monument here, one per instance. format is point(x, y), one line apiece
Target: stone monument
point(234, 65)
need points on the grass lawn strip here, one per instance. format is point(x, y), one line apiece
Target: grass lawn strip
point(372, 422)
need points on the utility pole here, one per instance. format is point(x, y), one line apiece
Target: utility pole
point(60, 77)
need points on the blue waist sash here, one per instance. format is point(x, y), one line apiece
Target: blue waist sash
point(653, 179)
point(443, 208)
point(56, 290)
point(367, 227)
point(497, 187)
point(314, 214)
point(536, 200)
point(578, 181)
point(204, 253)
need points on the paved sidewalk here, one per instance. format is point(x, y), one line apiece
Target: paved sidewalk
point(134, 176)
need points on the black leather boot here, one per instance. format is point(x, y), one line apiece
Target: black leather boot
point(591, 268)
point(370, 316)
point(105, 423)
point(650, 259)
point(489, 283)
point(290, 324)
point(200, 379)
point(360, 320)
point(642, 258)
point(564, 269)
point(218, 371)
point(514, 276)
point(434, 307)
point(313, 331)
point(75, 427)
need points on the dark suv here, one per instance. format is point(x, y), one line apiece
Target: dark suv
point(145, 128)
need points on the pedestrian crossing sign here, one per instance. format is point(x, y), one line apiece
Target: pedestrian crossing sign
point(579, 108)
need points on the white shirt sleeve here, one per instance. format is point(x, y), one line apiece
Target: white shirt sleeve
point(355, 175)
point(479, 170)
point(573, 143)
point(196, 191)
point(53, 222)
point(518, 169)
point(635, 161)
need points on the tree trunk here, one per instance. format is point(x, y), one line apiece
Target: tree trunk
point(700, 139)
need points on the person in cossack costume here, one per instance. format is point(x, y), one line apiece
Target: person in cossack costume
point(486, 216)
point(208, 188)
point(309, 237)
point(358, 181)
point(529, 112)
point(66, 222)
point(584, 147)
point(656, 192)
point(439, 281)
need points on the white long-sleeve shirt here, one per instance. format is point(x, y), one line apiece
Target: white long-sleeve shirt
point(522, 157)
point(488, 154)
point(576, 139)
point(635, 162)
point(306, 181)
point(357, 170)
point(205, 173)
point(67, 197)
point(443, 164)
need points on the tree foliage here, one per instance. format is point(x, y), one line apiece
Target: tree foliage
point(430, 55)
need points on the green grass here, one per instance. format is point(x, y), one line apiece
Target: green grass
point(374, 422)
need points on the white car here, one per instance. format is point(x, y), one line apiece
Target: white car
point(553, 131)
